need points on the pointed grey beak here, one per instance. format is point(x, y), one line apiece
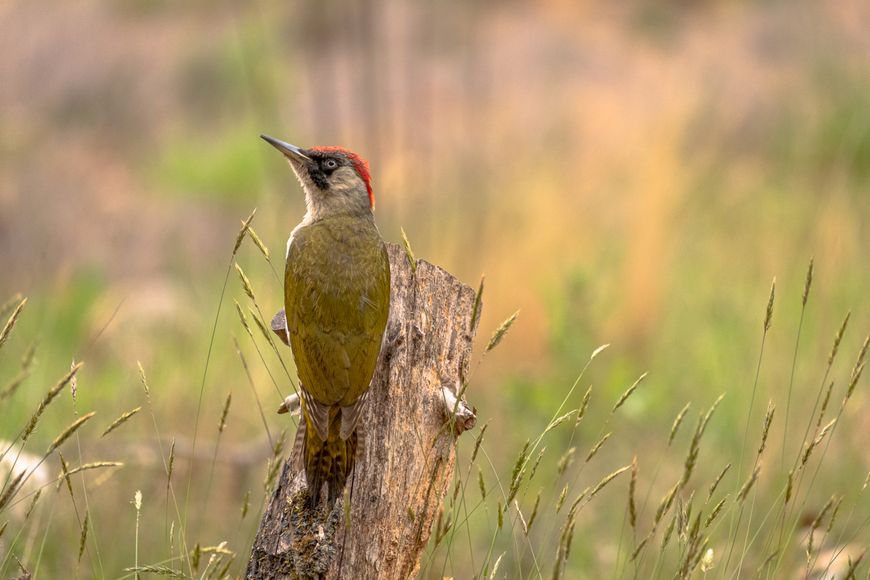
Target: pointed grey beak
point(291, 151)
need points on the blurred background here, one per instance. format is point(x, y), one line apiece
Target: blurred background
point(630, 173)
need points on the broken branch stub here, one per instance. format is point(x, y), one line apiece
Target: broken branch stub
point(411, 422)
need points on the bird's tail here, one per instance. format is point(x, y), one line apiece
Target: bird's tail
point(329, 461)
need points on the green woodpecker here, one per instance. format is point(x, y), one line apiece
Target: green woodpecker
point(336, 299)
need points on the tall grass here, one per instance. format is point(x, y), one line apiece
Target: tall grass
point(577, 499)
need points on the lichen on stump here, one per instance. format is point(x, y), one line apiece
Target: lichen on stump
point(401, 477)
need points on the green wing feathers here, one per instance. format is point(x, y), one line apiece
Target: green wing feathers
point(337, 294)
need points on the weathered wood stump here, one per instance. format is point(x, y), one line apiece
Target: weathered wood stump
point(412, 421)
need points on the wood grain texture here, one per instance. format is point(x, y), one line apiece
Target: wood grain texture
point(399, 482)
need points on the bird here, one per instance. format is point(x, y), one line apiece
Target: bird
point(337, 301)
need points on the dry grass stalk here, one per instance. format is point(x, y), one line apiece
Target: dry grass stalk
point(565, 461)
point(12, 386)
point(11, 489)
point(518, 472)
point(665, 503)
point(711, 517)
point(478, 441)
point(808, 449)
point(66, 433)
point(29, 356)
point(768, 316)
point(789, 486)
point(246, 284)
point(522, 518)
point(607, 479)
point(561, 501)
point(817, 521)
point(765, 429)
point(10, 322)
point(223, 422)
point(558, 421)
point(259, 243)
point(677, 422)
point(717, 481)
point(807, 284)
point(744, 491)
point(83, 537)
point(243, 318)
point(834, 513)
point(144, 380)
point(32, 505)
point(853, 565)
point(13, 301)
point(260, 325)
point(478, 300)
point(594, 450)
point(49, 397)
point(481, 484)
point(495, 566)
point(640, 548)
point(584, 406)
point(241, 235)
point(632, 488)
point(500, 332)
point(856, 375)
point(171, 465)
point(93, 465)
point(246, 503)
point(824, 407)
point(126, 416)
point(694, 447)
point(838, 338)
point(669, 531)
point(3, 528)
point(64, 476)
point(412, 260)
point(628, 392)
point(536, 463)
point(534, 512)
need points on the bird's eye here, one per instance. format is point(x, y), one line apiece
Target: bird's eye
point(331, 164)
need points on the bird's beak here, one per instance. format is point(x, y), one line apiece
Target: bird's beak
point(290, 151)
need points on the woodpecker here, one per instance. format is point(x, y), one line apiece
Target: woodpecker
point(337, 300)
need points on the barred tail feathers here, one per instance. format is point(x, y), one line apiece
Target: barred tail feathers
point(330, 461)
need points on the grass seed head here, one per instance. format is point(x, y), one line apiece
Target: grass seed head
point(534, 512)
point(10, 322)
point(765, 429)
point(807, 284)
point(246, 283)
point(500, 332)
point(677, 422)
point(406, 244)
point(717, 481)
point(66, 433)
point(595, 448)
point(123, 418)
point(744, 491)
point(628, 392)
point(768, 315)
point(259, 243)
point(46, 401)
point(241, 235)
point(83, 537)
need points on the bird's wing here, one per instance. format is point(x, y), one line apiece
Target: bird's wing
point(336, 315)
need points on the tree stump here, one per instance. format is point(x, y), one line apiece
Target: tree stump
point(412, 421)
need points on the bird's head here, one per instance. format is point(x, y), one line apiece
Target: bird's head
point(336, 181)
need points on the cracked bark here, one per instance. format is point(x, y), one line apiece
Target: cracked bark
point(412, 421)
